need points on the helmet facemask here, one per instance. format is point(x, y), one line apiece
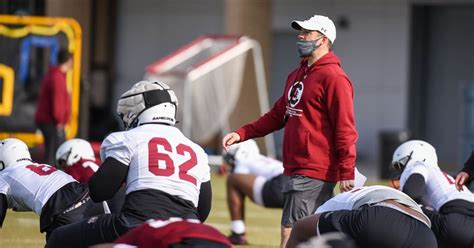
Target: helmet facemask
point(61, 162)
point(397, 167)
point(72, 151)
point(413, 151)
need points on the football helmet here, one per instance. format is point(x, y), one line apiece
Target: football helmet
point(72, 151)
point(241, 151)
point(13, 151)
point(413, 150)
point(147, 102)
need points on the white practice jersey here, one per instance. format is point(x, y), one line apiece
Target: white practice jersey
point(159, 157)
point(28, 186)
point(259, 166)
point(358, 197)
point(440, 187)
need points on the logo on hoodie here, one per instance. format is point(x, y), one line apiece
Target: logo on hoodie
point(295, 93)
point(294, 96)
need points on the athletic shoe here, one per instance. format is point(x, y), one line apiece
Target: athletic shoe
point(238, 239)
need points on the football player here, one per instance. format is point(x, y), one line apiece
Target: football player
point(52, 194)
point(171, 233)
point(166, 174)
point(373, 216)
point(77, 158)
point(415, 163)
point(253, 175)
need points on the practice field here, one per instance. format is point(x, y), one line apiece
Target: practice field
point(20, 230)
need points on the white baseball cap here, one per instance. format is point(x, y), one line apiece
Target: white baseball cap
point(318, 23)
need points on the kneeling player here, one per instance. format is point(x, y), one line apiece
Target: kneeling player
point(415, 163)
point(375, 216)
point(253, 175)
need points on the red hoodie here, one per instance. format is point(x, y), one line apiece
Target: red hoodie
point(316, 110)
point(54, 102)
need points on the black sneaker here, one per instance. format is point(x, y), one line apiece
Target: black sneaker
point(238, 239)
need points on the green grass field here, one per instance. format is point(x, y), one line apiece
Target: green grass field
point(21, 230)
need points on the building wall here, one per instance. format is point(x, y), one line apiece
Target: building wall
point(148, 30)
point(450, 80)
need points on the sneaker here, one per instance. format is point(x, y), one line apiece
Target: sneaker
point(238, 239)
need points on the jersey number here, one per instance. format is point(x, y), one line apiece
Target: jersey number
point(154, 156)
point(42, 170)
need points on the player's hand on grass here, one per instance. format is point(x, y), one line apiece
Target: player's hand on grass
point(230, 139)
point(461, 179)
point(346, 185)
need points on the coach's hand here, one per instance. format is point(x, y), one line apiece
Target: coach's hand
point(461, 179)
point(346, 185)
point(230, 139)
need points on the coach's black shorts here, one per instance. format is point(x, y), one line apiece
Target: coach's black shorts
point(271, 192)
point(378, 226)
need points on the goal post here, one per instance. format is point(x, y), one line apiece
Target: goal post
point(208, 75)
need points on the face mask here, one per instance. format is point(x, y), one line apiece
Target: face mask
point(307, 47)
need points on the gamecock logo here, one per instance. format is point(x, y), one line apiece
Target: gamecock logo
point(295, 93)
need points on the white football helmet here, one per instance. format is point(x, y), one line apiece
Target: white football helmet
point(241, 151)
point(71, 151)
point(13, 151)
point(147, 102)
point(414, 150)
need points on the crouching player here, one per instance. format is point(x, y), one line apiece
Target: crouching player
point(374, 216)
point(415, 163)
point(76, 157)
point(253, 175)
point(52, 194)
